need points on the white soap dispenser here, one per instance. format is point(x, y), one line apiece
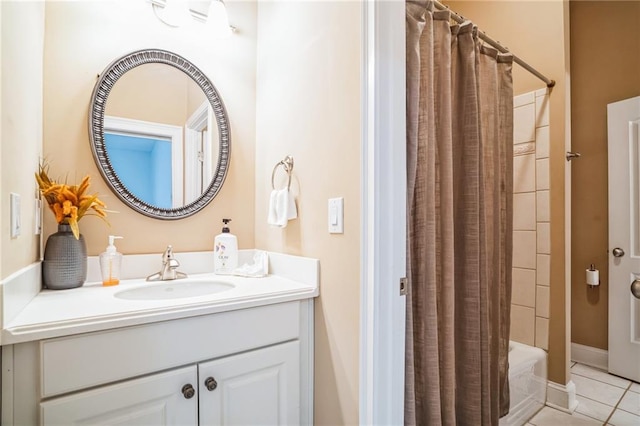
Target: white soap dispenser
point(110, 262)
point(225, 251)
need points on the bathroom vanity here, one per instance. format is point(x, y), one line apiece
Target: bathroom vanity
point(145, 353)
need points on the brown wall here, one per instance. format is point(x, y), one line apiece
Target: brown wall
point(536, 31)
point(605, 67)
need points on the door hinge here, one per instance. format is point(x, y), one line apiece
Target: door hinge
point(403, 286)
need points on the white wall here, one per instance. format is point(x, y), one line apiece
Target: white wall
point(301, 96)
point(82, 39)
point(531, 220)
point(308, 106)
point(22, 41)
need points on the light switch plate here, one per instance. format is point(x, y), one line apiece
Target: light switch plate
point(336, 215)
point(38, 217)
point(15, 214)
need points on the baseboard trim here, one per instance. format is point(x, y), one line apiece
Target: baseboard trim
point(562, 397)
point(588, 355)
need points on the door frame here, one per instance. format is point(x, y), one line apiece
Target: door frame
point(149, 129)
point(383, 212)
point(198, 167)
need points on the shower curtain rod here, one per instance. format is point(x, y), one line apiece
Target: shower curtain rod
point(460, 19)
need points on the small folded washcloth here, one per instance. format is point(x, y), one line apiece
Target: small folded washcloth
point(259, 268)
point(282, 208)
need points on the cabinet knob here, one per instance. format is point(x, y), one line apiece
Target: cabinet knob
point(188, 391)
point(635, 289)
point(211, 383)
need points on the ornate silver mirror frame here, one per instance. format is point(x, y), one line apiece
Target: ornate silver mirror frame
point(105, 83)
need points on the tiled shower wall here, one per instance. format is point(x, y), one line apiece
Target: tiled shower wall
point(531, 227)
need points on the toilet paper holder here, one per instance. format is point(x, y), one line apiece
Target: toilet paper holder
point(592, 276)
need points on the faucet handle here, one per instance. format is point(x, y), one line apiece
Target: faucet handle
point(167, 256)
point(169, 266)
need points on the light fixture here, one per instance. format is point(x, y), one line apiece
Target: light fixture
point(218, 20)
point(175, 13)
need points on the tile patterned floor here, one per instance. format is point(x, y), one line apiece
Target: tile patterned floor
point(603, 399)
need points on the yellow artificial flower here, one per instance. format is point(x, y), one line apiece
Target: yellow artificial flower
point(69, 203)
point(58, 211)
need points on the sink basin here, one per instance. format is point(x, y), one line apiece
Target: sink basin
point(174, 290)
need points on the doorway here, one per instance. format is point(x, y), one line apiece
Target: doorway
point(624, 238)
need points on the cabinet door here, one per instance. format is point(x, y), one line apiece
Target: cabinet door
point(260, 387)
point(154, 400)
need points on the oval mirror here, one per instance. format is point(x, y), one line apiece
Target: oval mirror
point(159, 134)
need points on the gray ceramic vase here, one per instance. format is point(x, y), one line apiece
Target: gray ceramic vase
point(65, 260)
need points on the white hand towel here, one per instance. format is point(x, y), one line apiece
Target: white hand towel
point(272, 219)
point(292, 211)
point(282, 208)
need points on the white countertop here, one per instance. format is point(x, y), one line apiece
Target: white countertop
point(93, 307)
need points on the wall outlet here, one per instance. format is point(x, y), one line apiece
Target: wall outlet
point(15, 214)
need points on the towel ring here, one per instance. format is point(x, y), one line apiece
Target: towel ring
point(287, 164)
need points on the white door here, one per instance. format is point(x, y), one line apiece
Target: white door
point(157, 400)
point(260, 387)
point(624, 237)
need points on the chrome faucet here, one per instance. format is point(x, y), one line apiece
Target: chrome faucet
point(169, 268)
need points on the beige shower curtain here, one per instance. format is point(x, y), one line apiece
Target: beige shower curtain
point(460, 183)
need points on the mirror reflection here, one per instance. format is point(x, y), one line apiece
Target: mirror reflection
point(160, 135)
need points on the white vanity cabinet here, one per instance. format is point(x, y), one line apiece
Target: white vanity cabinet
point(153, 400)
point(256, 388)
point(260, 387)
point(248, 366)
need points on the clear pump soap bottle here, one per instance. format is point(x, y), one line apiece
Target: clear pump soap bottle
point(110, 262)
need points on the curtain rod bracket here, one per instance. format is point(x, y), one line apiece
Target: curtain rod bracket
point(572, 155)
